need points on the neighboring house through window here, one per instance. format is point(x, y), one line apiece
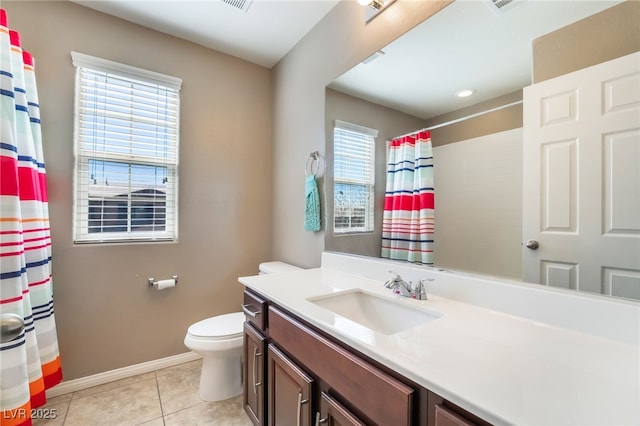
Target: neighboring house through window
point(126, 153)
point(354, 178)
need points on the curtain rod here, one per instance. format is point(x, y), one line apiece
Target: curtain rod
point(457, 120)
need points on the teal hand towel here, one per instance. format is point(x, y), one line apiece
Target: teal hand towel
point(312, 205)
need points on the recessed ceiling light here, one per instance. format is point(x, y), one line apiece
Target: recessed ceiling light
point(465, 93)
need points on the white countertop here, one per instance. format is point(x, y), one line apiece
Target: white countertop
point(504, 368)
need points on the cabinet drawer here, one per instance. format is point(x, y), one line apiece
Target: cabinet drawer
point(255, 308)
point(383, 399)
point(445, 413)
point(445, 417)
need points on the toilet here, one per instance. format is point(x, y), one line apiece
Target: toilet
point(219, 340)
point(276, 268)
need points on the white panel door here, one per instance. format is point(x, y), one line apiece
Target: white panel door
point(581, 180)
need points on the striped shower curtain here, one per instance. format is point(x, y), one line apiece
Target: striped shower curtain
point(408, 220)
point(29, 364)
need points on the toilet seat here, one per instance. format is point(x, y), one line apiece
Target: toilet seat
point(221, 327)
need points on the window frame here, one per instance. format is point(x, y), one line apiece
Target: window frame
point(83, 157)
point(370, 160)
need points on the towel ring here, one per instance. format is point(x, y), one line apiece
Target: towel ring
point(313, 160)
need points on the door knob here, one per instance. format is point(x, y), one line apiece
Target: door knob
point(11, 326)
point(532, 245)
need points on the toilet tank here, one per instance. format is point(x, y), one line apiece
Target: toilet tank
point(276, 267)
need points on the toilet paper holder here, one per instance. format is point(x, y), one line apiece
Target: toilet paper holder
point(153, 283)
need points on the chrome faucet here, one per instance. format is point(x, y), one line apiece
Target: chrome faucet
point(407, 289)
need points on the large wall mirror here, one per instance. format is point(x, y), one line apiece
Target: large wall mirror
point(478, 156)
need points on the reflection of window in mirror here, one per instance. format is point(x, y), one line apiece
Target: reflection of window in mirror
point(354, 177)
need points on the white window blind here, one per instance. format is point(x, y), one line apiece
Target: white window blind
point(354, 177)
point(126, 153)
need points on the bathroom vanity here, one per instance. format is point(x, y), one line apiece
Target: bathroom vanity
point(291, 367)
point(332, 346)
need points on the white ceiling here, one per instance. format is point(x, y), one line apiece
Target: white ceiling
point(467, 45)
point(262, 35)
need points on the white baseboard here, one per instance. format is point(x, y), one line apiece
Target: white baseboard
point(120, 373)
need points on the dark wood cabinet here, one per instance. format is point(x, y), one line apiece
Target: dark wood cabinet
point(290, 391)
point(446, 417)
point(332, 413)
point(380, 398)
point(442, 412)
point(295, 374)
point(254, 356)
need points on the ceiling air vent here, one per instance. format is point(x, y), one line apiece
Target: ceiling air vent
point(239, 4)
point(501, 7)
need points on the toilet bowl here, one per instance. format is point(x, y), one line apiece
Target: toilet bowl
point(219, 341)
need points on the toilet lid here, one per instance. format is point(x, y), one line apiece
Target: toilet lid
point(276, 267)
point(221, 326)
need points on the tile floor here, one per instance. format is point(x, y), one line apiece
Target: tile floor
point(164, 397)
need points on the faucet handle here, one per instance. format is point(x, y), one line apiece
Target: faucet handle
point(398, 277)
point(393, 282)
point(419, 291)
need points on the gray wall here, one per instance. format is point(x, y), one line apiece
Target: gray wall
point(613, 33)
point(106, 316)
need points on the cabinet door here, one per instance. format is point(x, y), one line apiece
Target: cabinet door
point(253, 372)
point(378, 396)
point(332, 413)
point(289, 391)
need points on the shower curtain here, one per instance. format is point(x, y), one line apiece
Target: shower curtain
point(29, 364)
point(408, 219)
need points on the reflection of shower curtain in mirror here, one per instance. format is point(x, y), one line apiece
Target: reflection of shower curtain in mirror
point(30, 363)
point(408, 225)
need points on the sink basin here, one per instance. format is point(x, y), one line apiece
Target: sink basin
point(376, 313)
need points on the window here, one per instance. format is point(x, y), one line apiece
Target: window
point(354, 178)
point(126, 153)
